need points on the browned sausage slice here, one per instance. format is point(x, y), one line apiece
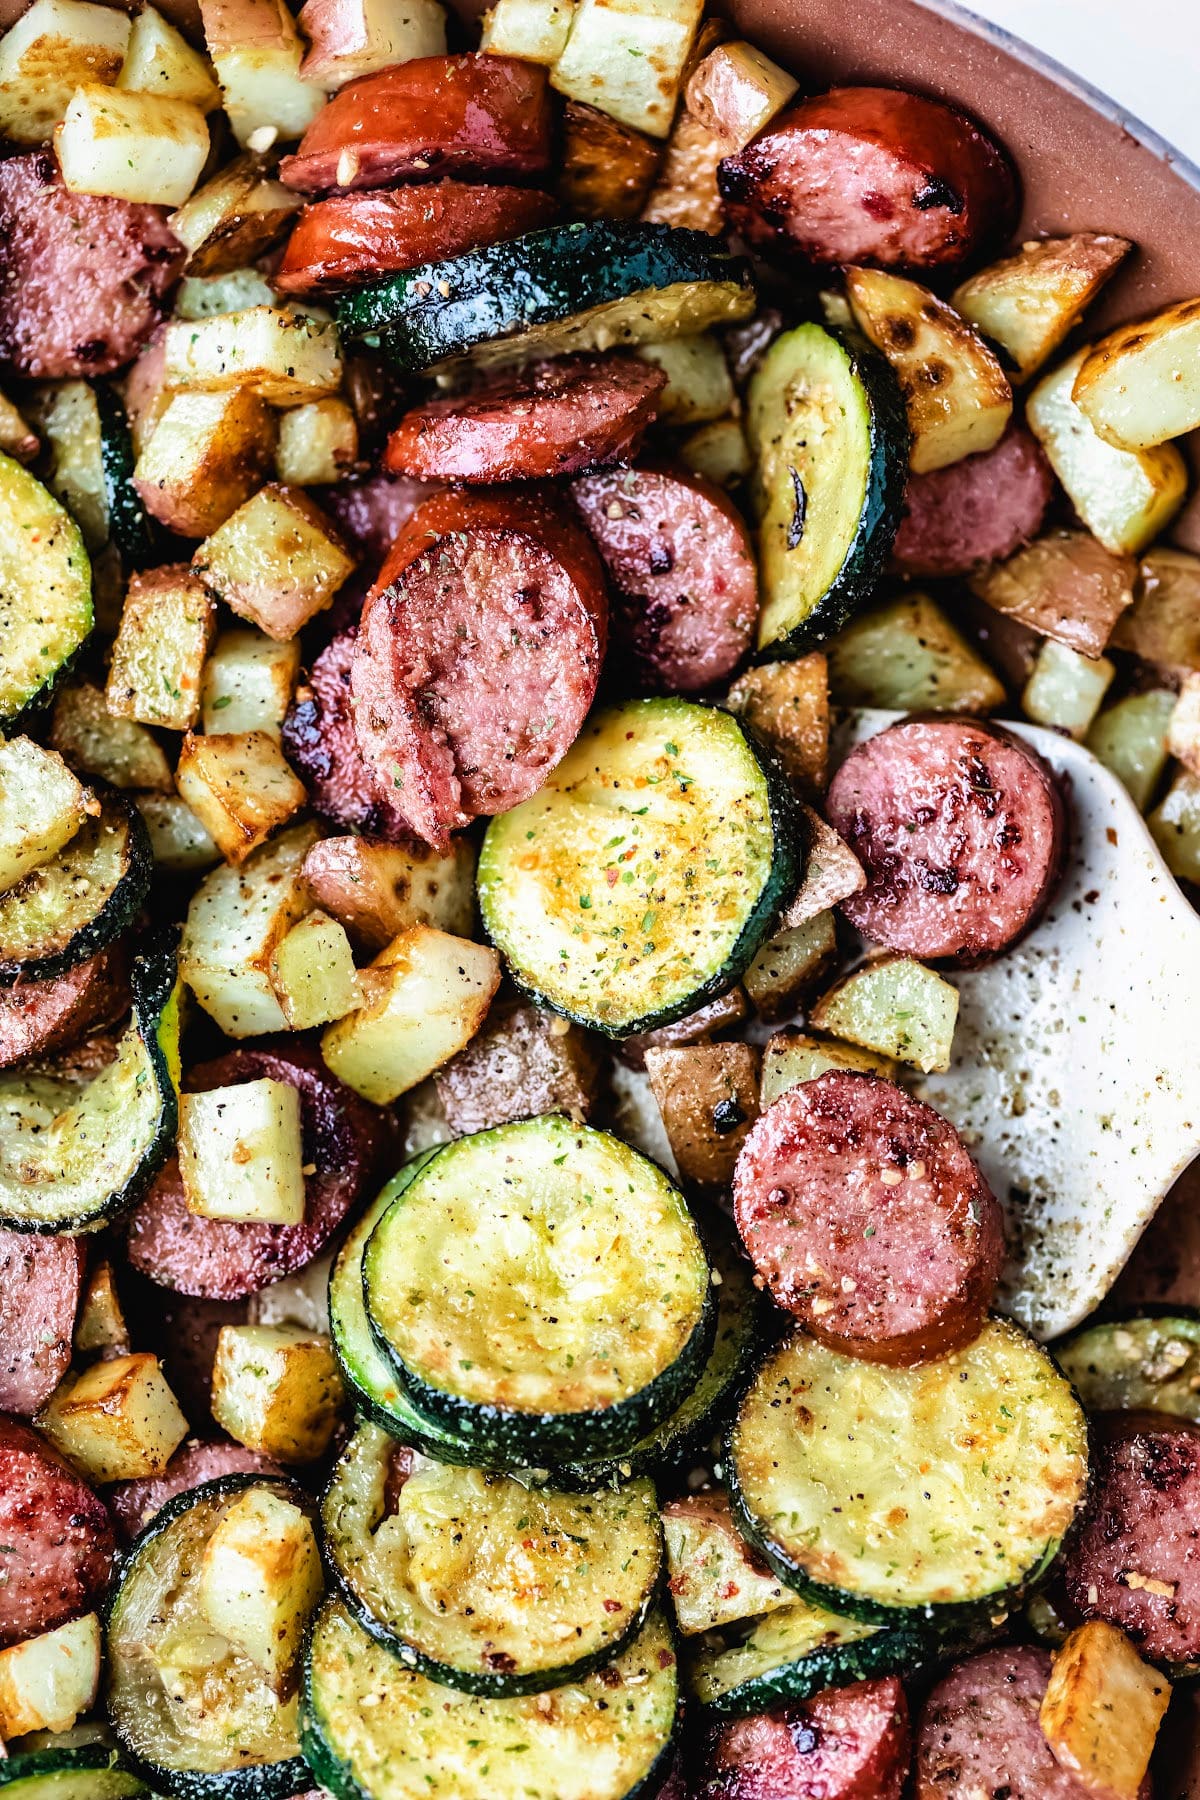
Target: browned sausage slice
point(979, 510)
point(554, 418)
point(39, 1016)
point(219, 1260)
point(373, 512)
point(961, 829)
point(870, 175)
point(134, 1503)
point(477, 657)
point(57, 1537)
point(319, 742)
point(40, 1279)
point(864, 1212)
point(82, 279)
point(679, 559)
point(848, 1743)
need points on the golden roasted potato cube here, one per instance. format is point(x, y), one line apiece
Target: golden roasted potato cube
point(17, 439)
point(534, 30)
point(48, 1681)
point(351, 38)
point(895, 1006)
point(233, 218)
point(236, 918)
point(260, 1579)
point(908, 656)
point(1163, 624)
point(240, 787)
point(717, 451)
point(257, 51)
point(605, 170)
point(1183, 731)
point(794, 1056)
point(736, 90)
point(276, 1389)
point(313, 973)
point(1065, 689)
point(1140, 385)
point(51, 50)
point(1030, 302)
point(628, 57)
point(317, 444)
point(277, 561)
point(708, 1097)
point(786, 969)
point(715, 1578)
point(118, 751)
point(116, 1421)
point(787, 705)
point(1175, 826)
point(241, 1153)
point(832, 872)
point(699, 385)
point(1102, 1709)
point(1130, 738)
point(248, 681)
point(167, 625)
point(205, 456)
point(177, 838)
point(160, 60)
point(1065, 585)
point(378, 890)
point(283, 357)
point(100, 1329)
point(138, 147)
point(685, 191)
point(42, 806)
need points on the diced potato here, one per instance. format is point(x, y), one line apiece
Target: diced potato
point(236, 918)
point(1065, 586)
point(50, 51)
point(118, 751)
point(145, 392)
point(378, 890)
point(277, 561)
point(284, 357)
point(685, 192)
point(317, 443)
point(787, 705)
point(628, 57)
point(166, 627)
point(313, 973)
point(240, 786)
point(256, 51)
point(358, 37)
point(906, 655)
point(211, 296)
point(42, 806)
point(1028, 303)
point(699, 385)
point(1066, 689)
point(708, 1097)
point(794, 1056)
point(241, 1153)
point(534, 30)
point(137, 147)
point(523, 1062)
point(300, 1299)
point(789, 966)
point(276, 1389)
point(100, 1329)
point(49, 1680)
point(260, 1579)
point(1140, 385)
point(1102, 1709)
point(832, 872)
point(736, 90)
point(204, 458)
point(233, 218)
point(17, 439)
point(66, 414)
point(160, 61)
point(896, 1007)
point(1183, 731)
point(714, 1577)
point(1130, 739)
point(1124, 497)
point(718, 451)
point(248, 682)
point(1163, 624)
point(722, 1014)
point(1175, 826)
point(426, 996)
point(605, 170)
point(179, 842)
point(966, 409)
point(117, 1421)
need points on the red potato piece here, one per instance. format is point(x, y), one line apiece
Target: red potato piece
point(477, 657)
point(39, 1016)
point(82, 279)
point(848, 1743)
point(40, 1278)
point(217, 1260)
point(976, 511)
point(682, 569)
point(551, 419)
point(319, 742)
point(349, 239)
point(1141, 1527)
point(433, 116)
point(57, 1537)
point(962, 831)
point(134, 1503)
point(866, 1216)
point(870, 175)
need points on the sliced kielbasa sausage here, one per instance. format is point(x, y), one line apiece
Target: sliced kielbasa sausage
point(319, 742)
point(976, 511)
point(82, 278)
point(432, 116)
point(961, 829)
point(554, 418)
point(349, 239)
point(39, 1016)
point(371, 513)
point(866, 1216)
point(478, 656)
point(134, 1503)
point(870, 175)
point(682, 569)
point(219, 1260)
point(57, 1537)
point(848, 1743)
point(40, 1279)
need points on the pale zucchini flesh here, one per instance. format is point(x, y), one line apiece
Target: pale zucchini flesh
point(75, 905)
point(1148, 1363)
point(798, 1651)
point(45, 590)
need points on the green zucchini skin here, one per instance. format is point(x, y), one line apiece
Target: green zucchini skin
point(1146, 1360)
point(91, 930)
point(532, 283)
point(46, 616)
point(130, 526)
point(86, 1772)
point(889, 1650)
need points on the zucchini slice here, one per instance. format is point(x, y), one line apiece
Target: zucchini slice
point(193, 1714)
point(942, 1490)
point(796, 1652)
point(543, 1290)
point(1149, 1362)
point(79, 1764)
point(374, 1728)
point(637, 884)
point(828, 433)
point(484, 1583)
point(76, 1151)
point(45, 591)
point(129, 525)
point(592, 285)
point(73, 907)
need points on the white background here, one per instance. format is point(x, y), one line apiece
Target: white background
point(1143, 53)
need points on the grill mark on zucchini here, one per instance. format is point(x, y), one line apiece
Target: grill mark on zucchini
point(75, 906)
